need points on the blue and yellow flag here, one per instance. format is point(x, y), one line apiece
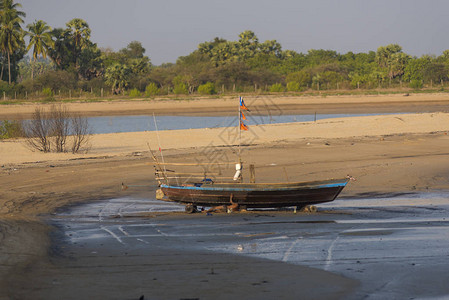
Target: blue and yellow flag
point(242, 115)
point(242, 104)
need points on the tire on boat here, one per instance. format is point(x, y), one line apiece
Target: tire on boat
point(190, 208)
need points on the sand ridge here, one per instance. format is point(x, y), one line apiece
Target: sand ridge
point(120, 144)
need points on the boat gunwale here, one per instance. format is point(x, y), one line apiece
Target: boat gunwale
point(256, 187)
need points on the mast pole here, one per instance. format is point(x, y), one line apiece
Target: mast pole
point(240, 139)
point(240, 127)
point(159, 142)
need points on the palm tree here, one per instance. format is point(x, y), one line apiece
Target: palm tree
point(40, 39)
point(117, 76)
point(11, 33)
point(60, 50)
point(80, 32)
point(8, 7)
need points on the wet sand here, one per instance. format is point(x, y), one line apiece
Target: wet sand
point(381, 248)
point(407, 155)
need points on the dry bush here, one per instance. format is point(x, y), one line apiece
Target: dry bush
point(60, 122)
point(38, 131)
point(80, 133)
point(56, 130)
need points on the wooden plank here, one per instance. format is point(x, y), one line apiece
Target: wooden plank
point(195, 164)
point(194, 174)
point(200, 177)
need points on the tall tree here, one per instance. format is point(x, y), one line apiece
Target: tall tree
point(90, 63)
point(40, 40)
point(392, 60)
point(117, 76)
point(271, 47)
point(61, 50)
point(79, 30)
point(248, 44)
point(133, 50)
point(11, 33)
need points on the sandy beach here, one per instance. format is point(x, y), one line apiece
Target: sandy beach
point(387, 155)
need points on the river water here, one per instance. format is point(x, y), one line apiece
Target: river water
point(113, 124)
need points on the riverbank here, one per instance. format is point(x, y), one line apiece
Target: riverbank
point(385, 154)
point(381, 165)
point(394, 161)
point(259, 105)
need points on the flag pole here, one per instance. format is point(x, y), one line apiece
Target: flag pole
point(240, 126)
point(240, 139)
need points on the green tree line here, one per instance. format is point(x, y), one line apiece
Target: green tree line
point(66, 59)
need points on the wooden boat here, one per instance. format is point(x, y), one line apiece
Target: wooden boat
point(245, 195)
point(256, 195)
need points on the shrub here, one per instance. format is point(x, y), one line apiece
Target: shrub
point(293, 86)
point(9, 91)
point(134, 93)
point(4, 87)
point(80, 133)
point(302, 77)
point(95, 85)
point(416, 84)
point(10, 129)
point(363, 81)
point(207, 89)
point(180, 89)
point(331, 78)
point(47, 92)
point(276, 88)
point(54, 129)
point(55, 80)
point(152, 90)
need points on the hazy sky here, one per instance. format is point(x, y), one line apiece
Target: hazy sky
point(172, 28)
